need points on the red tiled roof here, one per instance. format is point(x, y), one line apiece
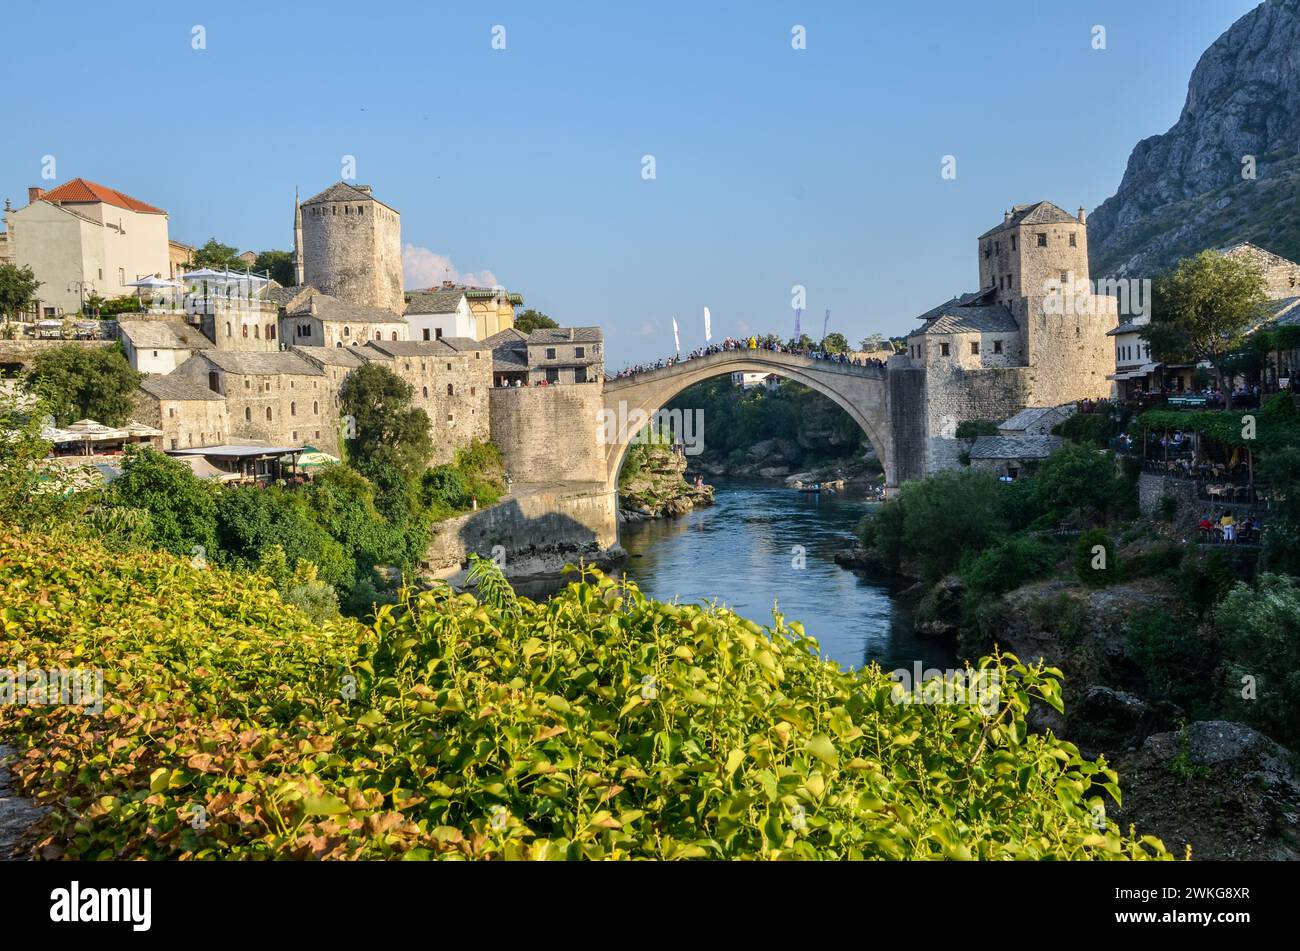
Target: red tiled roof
point(80, 190)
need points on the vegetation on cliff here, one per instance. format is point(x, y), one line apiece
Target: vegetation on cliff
point(601, 724)
point(652, 482)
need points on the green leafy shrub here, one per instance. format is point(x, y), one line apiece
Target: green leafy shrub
point(1094, 558)
point(974, 428)
point(1176, 663)
point(1007, 564)
point(1260, 628)
point(600, 724)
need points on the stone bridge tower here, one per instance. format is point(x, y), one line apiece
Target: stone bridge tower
point(1036, 263)
point(349, 245)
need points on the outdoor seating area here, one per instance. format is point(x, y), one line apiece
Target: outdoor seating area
point(1226, 527)
point(89, 437)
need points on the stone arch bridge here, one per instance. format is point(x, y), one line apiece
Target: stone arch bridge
point(884, 401)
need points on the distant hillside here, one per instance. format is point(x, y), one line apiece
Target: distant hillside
point(1183, 191)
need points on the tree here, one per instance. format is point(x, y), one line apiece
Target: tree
point(875, 342)
point(835, 343)
point(1258, 626)
point(218, 256)
point(279, 264)
point(182, 508)
point(531, 320)
point(84, 383)
point(387, 428)
point(17, 289)
point(250, 521)
point(1078, 478)
point(1202, 309)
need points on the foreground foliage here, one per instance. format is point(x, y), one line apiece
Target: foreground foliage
point(601, 724)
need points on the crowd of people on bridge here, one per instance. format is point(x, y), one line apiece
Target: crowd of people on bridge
point(770, 343)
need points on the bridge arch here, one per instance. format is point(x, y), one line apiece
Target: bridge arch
point(860, 391)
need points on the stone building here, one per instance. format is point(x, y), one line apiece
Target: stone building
point(450, 380)
point(348, 244)
point(566, 355)
point(1010, 457)
point(279, 398)
point(1033, 335)
point(159, 346)
point(188, 413)
point(310, 318)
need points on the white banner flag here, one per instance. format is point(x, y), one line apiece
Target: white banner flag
point(708, 326)
point(677, 341)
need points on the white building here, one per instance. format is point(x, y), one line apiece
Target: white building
point(438, 313)
point(83, 238)
point(159, 346)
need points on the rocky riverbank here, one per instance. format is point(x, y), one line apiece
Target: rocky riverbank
point(787, 462)
point(1222, 788)
point(655, 485)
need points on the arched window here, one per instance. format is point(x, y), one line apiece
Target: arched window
point(248, 414)
point(257, 332)
point(243, 330)
point(228, 328)
point(451, 390)
point(426, 392)
point(347, 331)
point(268, 414)
point(379, 335)
point(270, 331)
point(293, 409)
point(394, 334)
point(315, 406)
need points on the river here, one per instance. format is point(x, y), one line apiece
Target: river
point(742, 550)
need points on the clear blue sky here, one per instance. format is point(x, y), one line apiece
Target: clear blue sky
point(775, 167)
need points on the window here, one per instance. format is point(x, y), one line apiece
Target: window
point(171, 412)
point(173, 443)
point(379, 335)
point(121, 276)
point(1013, 242)
point(1074, 240)
point(426, 333)
point(437, 334)
point(155, 353)
point(1042, 239)
point(988, 249)
point(268, 414)
point(293, 411)
point(394, 334)
point(426, 392)
point(449, 417)
point(101, 273)
point(451, 389)
point(214, 381)
point(227, 328)
point(347, 331)
point(1065, 277)
point(579, 351)
point(997, 346)
point(243, 330)
point(248, 414)
point(270, 331)
point(473, 390)
point(360, 210)
point(550, 353)
point(315, 406)
point(974, 348)
point(248, 384)
point(943, 349)
point(257, 332)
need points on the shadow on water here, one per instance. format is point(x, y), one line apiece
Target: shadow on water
point(742, 552)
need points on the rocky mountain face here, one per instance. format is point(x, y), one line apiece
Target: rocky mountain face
point(1185, 191)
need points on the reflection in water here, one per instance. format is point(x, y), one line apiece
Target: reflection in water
point(742, 551)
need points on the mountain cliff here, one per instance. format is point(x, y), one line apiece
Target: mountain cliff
point(1185, 191)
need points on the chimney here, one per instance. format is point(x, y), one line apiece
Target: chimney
point(364, 189)
point(311, 305)
point(1006, 217)
point(1083, 216)
point(570, 333)
point(34, 194)
point(447, 285)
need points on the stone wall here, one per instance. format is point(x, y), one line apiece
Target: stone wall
point(539, 527)
point(22, 353)
point(907, 418)
point(1152, 488)
point(956, 396)
point(452, 388)
point(549, 432)
point(281, 409)
point(184, 423)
